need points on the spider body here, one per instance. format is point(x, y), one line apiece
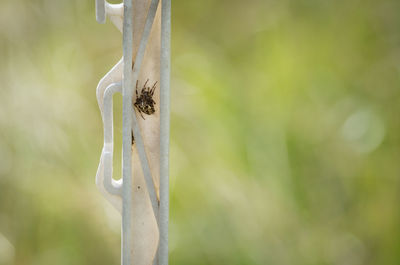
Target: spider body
point(144, 100)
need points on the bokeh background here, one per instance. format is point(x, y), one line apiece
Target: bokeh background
point(285, 133)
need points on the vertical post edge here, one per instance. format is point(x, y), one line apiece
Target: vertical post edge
point(164, 130)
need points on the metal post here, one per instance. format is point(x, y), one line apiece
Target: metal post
point(119, 193)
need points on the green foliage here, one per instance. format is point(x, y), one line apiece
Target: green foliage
point(285, 133)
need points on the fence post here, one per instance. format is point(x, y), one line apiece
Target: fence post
point(142, 194)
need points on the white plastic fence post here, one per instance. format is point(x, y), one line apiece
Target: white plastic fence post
point(145, 141)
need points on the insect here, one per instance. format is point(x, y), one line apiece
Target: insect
point(144, 100)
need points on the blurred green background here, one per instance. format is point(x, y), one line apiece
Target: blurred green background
point(285, 133)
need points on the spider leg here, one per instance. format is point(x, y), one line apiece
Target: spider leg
point(153, 88)
point(144, 86)
point(140, 112)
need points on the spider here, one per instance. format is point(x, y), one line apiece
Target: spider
point(144, 101)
